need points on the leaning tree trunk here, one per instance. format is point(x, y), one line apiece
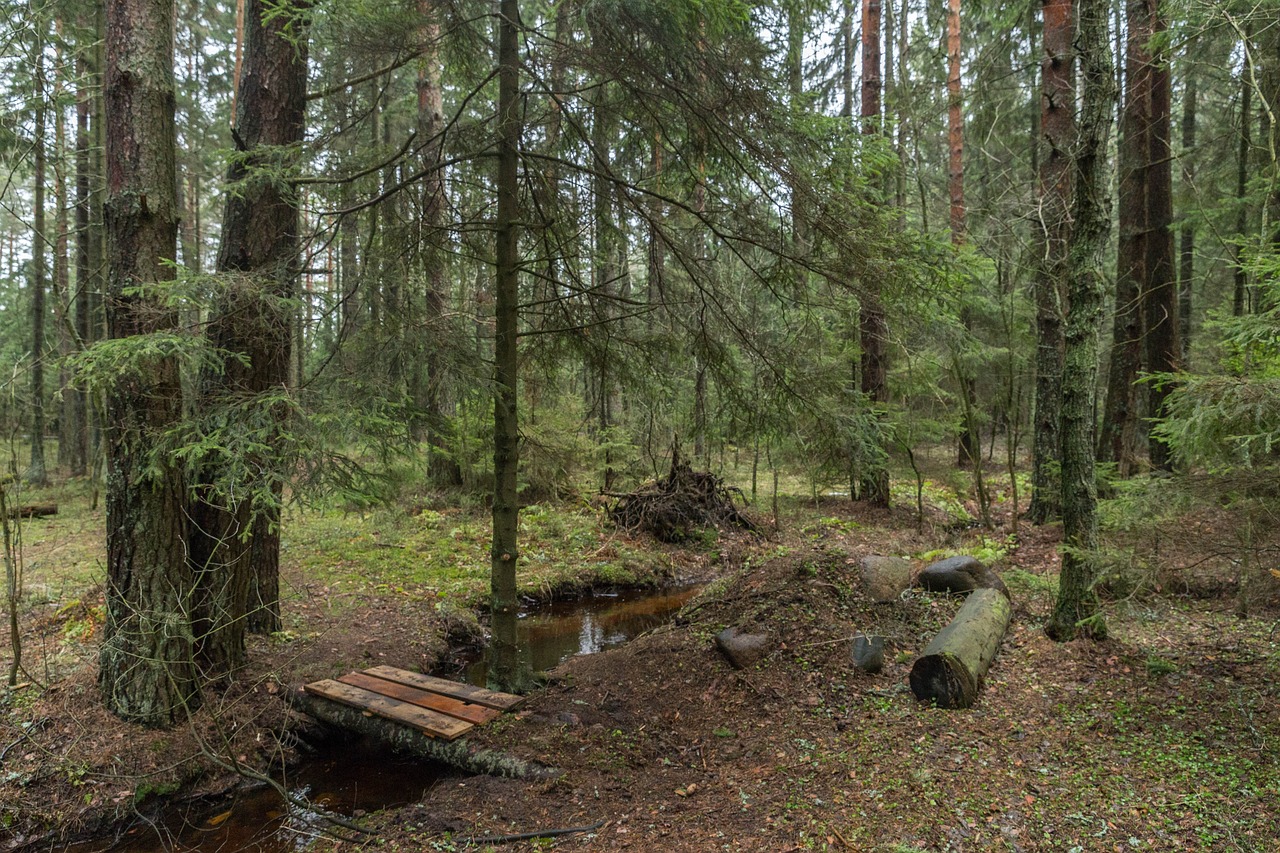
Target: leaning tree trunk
point(1057, 101)
point(1076, 610)
point(146, 672)
point(234, 538)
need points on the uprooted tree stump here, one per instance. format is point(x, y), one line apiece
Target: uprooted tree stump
point(686, 500)
point(951, 670)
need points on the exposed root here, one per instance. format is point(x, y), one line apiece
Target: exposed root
point(684, 501)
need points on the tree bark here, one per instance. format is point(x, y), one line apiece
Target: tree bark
point(503, 673)
point(443, 468)
point(234, 539)
point(77, 399)
point(968, 449)
point(1241, 276)
point(1160, 298)
point(61, 270)
point(873, 327)
point(1057, 127)
point(146, 671)
point(951, 669)
point(37, 473)
point(1076, 610)
point(1119, 441)
point(1187, 250)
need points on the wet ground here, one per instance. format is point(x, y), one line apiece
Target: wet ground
point(352, 777)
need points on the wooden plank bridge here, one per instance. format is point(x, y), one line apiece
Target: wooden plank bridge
point(438, 708)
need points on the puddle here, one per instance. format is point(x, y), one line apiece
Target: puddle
point(548, 634)
point(347, 777)
point(352, 777)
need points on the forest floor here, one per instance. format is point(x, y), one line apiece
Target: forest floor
point(1163, 737)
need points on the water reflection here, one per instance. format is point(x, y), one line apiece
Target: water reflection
point(550, 633)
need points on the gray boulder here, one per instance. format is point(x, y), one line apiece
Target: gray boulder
point(742, 650)
point(884, 578)
point(960, 575)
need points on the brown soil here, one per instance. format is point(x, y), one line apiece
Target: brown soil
point(1162, 738)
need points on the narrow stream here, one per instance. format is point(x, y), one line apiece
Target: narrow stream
point(549, 634)
point(348, 777)
point(355, 776)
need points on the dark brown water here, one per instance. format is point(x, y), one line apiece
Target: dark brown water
point(352, 777)
point(347, 778)
point(551, 633)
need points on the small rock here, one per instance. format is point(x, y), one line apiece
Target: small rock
point(960, 574)
point(884, 578)
point(868, 654)
point(741, 649)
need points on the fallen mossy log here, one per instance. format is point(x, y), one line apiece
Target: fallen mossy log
point(457, 753)
point(951, 670)
point(33, 511)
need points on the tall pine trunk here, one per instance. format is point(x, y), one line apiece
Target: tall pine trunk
point(1057, 129)
point(873, 327)
point(1187, 247)
point(1076, 610)
point(146, 672)
point(77, 399)
point(234, 539)
point(503, 671)
point(62, 302)
point(429, 391)
point(1160, 297)
point(37, 473)
point(1240, 277)
point(968, 450)
point(1118, 442)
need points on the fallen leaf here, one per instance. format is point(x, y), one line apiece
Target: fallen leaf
point(218, 818)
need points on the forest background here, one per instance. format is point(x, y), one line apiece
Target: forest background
point(316, 252)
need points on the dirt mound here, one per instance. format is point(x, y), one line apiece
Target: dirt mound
point(667, 721)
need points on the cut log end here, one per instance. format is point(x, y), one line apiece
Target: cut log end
point(943, 679)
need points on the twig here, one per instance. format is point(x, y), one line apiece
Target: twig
point(26, 734)
point(826, 642)
point(525, 836)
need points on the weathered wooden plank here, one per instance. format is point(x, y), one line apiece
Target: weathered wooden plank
point(460, 753)
point(477, 714)
point(424, 720)
point(464, 692)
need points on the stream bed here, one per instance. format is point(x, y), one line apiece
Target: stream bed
point(353, 776)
